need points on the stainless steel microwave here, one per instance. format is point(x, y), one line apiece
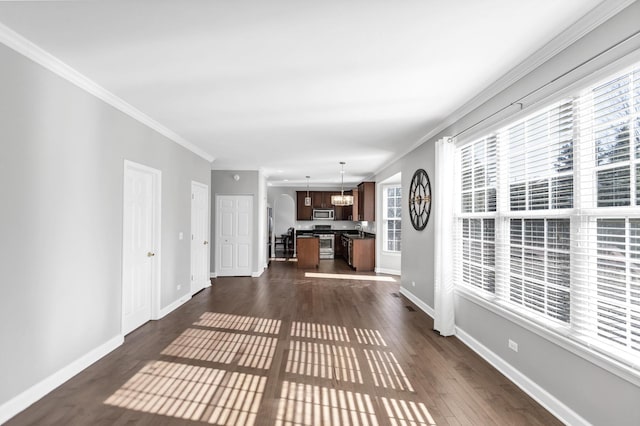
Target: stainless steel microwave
point(323, 214)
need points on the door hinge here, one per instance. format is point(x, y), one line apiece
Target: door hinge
point(193, 196)
point(191, 277)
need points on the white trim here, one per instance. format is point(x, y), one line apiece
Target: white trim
point(388, 271)
point(544, 398)
point(589, 22)
point(195, 184)
point(213, 275)
point(257, 274)
point(25, 47)
point(22, 401)
point(173, 306)
point(156, 285)
point(419, 303)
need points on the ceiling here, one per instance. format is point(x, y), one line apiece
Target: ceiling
point(293, 87)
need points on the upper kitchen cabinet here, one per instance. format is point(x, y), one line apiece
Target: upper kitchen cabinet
point(344, 212)
point(322, 199)
point(303, 212)
point(366, 202)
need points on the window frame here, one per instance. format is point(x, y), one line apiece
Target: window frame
point(386, 219)
point(563, 334)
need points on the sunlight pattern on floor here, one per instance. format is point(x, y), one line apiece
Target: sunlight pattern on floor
point(349, 277)
point(239, 322)
point(324, 361)
point(319, 331)
point(369, 337)
point(192, 393)
point(307, 405)
point(219, 346)
point(386, 370)
point(407, 413)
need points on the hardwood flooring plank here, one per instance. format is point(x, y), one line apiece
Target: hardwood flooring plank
point(288, 349)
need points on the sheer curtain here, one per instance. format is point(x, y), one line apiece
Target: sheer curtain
point(444, 321)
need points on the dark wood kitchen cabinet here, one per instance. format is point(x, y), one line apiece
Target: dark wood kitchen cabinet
point(303, 212)
point(344, 212)
point(308, 252)
point(322, 199)
point(364, 204)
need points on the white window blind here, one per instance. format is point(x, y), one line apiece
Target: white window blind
point(478, 170)
point(392, 217)
point(606, 287)
point(540, 176)
point(548, 224)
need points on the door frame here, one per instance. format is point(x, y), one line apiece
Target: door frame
point(208, 235)
point(156, 203)
point(217, 225)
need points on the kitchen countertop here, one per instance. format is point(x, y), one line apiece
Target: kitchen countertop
point(360, 237)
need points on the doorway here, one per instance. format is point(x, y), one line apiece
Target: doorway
point(140, 245)
point(234, 235)
point(199, 237)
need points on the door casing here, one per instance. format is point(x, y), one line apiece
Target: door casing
point(154, 289)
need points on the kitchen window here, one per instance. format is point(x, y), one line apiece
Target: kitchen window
point(548, 223)
point(392, 218)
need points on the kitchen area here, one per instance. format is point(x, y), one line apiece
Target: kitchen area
point(329, 228)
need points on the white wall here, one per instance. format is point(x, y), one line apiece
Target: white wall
point(61, 180)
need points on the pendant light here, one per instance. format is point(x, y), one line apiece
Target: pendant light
point(307, 199)
point(342, 200)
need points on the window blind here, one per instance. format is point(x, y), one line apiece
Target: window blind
point(549, 216)
point(392, 217)
point(606, 284)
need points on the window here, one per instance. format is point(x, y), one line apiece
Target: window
point(392, 217)
point(548, 223)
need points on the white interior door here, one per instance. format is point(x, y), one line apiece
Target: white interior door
point(199, 237)
point(140, 252)
point(234, 234)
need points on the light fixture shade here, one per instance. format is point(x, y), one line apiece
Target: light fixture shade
point(342, 200)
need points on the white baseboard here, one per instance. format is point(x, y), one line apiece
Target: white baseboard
point(173, 306)
point(548, 401)
point(37, 391)
point(419, 303)
point(213, 275)
point(388, 271)
point(257, 274)
point(544, 398)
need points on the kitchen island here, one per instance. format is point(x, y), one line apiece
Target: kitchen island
point(359, 251)
point(308, 251)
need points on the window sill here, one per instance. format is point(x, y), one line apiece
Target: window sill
point(555, 334)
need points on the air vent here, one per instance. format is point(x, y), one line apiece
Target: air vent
point(410, 308)
point(395, 294)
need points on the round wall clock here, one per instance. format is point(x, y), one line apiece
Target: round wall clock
point(420, 199)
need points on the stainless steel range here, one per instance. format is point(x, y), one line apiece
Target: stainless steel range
point(327, 238)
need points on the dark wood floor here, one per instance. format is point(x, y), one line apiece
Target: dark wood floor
point(286, 349)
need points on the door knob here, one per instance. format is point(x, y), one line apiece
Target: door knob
point(206, 242)
point(150, 254)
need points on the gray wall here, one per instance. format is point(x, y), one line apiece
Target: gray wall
point(222, 183)
point(598, 396)
point(61, 179)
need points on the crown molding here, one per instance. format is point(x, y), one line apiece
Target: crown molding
point(587, 23)
point(15, 41)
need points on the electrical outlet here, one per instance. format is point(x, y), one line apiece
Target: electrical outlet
point(513, 345)
point(413, 283)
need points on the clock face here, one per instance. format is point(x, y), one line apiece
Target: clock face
point(420, 199)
